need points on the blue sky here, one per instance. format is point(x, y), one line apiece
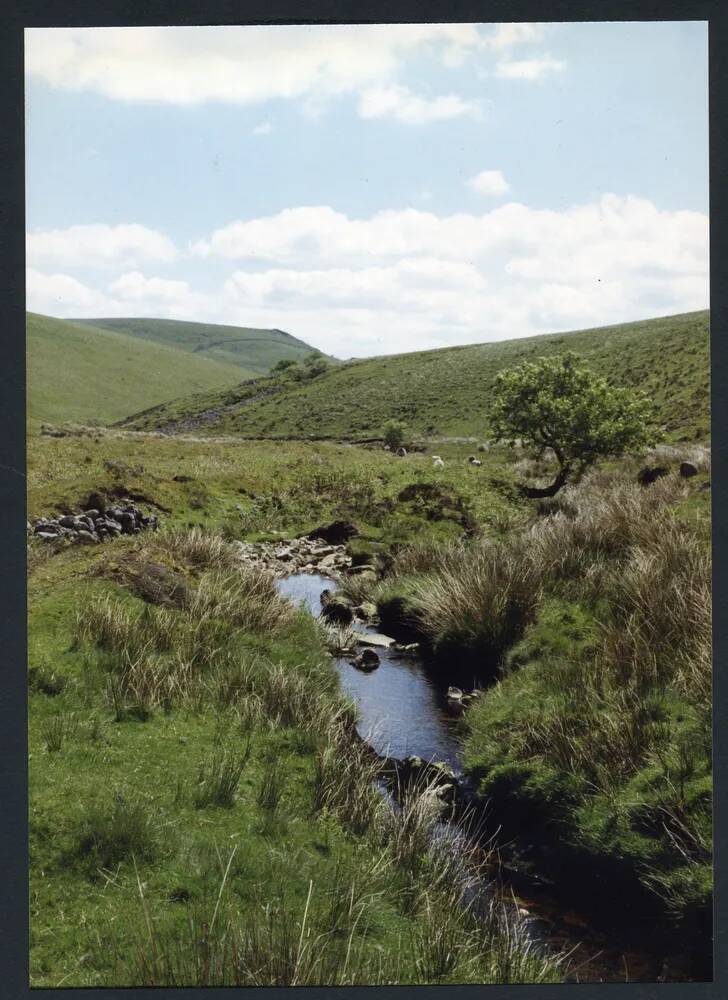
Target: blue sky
point(370, 190)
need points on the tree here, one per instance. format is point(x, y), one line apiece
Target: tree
point(394, 432)
point(560, 404)
point(315, 364)
point(283, 365)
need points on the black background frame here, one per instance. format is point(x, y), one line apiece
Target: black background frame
point(14, 959)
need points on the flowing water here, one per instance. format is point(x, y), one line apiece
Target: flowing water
point(403, 712)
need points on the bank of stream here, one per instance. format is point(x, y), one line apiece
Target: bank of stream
point(403, 712)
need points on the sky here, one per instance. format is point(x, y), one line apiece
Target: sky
point(370, 189)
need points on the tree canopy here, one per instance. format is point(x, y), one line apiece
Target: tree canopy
point(394, 434)
point(559, 403)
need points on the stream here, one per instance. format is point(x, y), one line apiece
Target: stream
point(402, 712)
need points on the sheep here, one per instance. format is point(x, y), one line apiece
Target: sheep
point(402, 452)
point(475, 461)
point(437, 462)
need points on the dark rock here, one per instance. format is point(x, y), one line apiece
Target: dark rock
point(336, 533)
point(86, 537)
point(336, 608)
point(67, 521)
point(705, 485)
point(367, 660)
point(687, 469)
point(47, 526)
point(127, 523)
point(648, 476)
point(182, 479)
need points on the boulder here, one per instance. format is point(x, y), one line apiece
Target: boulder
point(336, 608)
point(687, 470)
point(455, 702)
point(86, 537)
point(648, 475)
point(336, 533)
point(367, 660)
point(374, 639)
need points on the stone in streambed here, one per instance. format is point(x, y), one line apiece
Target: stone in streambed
point(367, 660)
point(374, 639)
point(336, 608)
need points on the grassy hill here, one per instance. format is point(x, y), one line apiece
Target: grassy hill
point(79, 373)
point(445, 392)
point(252, 349)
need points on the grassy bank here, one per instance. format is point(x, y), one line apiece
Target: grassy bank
point(594, 621)
point(447, 391)
point(199, 813)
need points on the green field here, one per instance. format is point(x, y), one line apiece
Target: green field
point(86, 375)
point(252, 349)
point(445, 392)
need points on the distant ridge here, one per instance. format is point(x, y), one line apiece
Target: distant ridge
point(255, 350)
point(446, 391)
point(80, 373)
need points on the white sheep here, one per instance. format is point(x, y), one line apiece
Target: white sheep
point(475, 461)
point(438, 462)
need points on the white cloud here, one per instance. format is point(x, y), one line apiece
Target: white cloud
point(134, 287)
point(61, 295)
point(240, 65)
point(529, 69)
point(506, 36)
point(489, 182)
point(247, 65)
point(404, 280)
point(265, 128)
point(401, 104)
point(98, 246)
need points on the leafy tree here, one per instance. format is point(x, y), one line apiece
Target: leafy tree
point(315, 364)
point(284, 364)
point(559, 403)
point(394, 434)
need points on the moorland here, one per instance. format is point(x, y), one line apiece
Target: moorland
point(202, 808)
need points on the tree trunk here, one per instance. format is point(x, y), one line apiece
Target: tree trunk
point(538, 492)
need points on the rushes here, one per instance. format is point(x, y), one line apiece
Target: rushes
point(159, 656)
point(56, 729)
point(480, 597)
point(116, 831)
point(219, 777)
point(344, 778)
point(271, 784)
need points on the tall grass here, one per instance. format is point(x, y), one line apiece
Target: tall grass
point(219, 776)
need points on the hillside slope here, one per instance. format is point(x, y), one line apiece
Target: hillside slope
point(445, 392)
point(252, 349)
point(83, 374)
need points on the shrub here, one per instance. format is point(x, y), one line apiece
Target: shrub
point(394, 434)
